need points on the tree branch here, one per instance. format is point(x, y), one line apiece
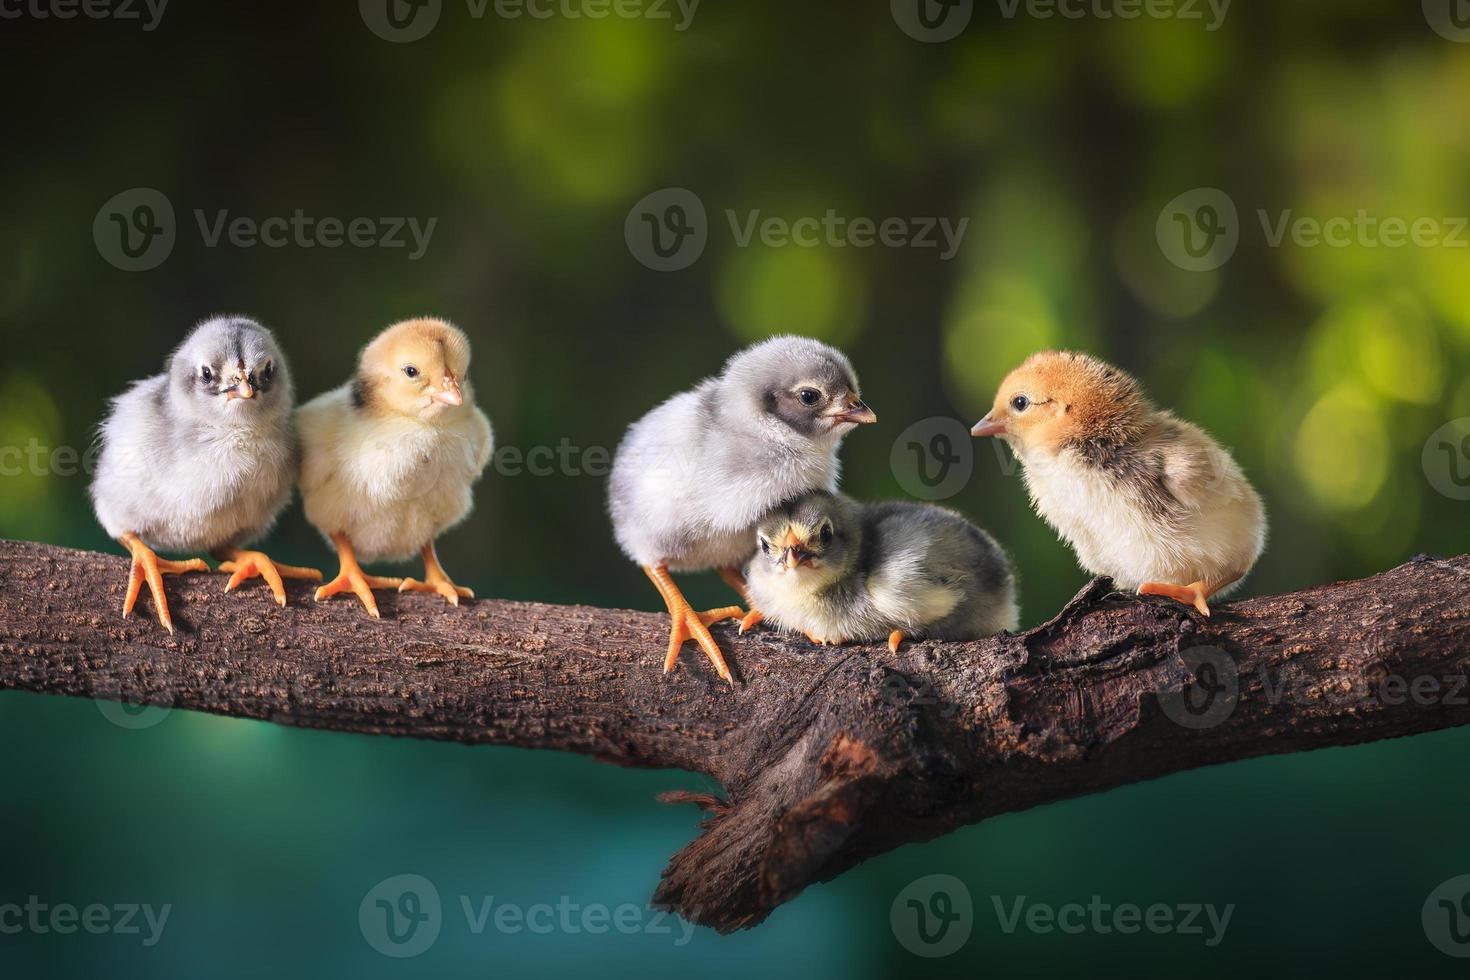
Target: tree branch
point(828, 758)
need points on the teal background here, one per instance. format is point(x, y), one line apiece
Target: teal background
point(1326, 369)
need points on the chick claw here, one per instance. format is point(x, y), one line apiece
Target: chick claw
point(247, 565)
point(1194, 594)
point(436, 580)
point(440, 584)
point(895, 640)
point(147, 565)
point(353, 580)
point(752, 619)
point(690, 624)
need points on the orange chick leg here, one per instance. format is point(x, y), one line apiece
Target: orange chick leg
point(689, 624)
point(736, 581)
point(147, 565)
point(436, 579)
point(246, 565)
point(351, 577)
point(1196, 594)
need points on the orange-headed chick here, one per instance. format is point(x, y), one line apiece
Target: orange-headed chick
point(1143, 497)
point(388, 460)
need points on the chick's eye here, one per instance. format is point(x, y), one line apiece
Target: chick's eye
point(206, 375)
point(269, 372)
point(1020, 403)
point(826, 533)
point(411, 371)
point(765, 546)
point(809, 396)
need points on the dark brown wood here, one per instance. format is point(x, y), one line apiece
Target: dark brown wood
point(827, 757)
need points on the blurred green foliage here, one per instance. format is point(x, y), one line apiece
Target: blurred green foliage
point(1325, 368)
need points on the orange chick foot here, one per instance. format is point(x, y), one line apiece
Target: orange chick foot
point(148, 567)
point(246, 565)
point(1193, 594)
point(436, 580)
point(350, 577)
point(895, 640)
point(688, 624)
point(752, 619)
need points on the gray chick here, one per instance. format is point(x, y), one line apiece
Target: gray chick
point(201, 457)
point(841, 571)
point(691, 478)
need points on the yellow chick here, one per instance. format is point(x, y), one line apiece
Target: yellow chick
point(1143, 497)
point(389, 458)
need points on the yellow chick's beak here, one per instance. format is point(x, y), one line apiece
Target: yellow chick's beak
point(856, 412)
point(240, 389)
point(450, 394)
point(794, 553)
point(988, 427)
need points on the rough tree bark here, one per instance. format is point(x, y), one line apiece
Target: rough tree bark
point(828, 756)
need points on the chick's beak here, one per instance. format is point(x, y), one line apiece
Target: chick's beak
point(450, 393)
point(856, 412)
point(240, 389)
point(794, 553)
point(989, 426)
